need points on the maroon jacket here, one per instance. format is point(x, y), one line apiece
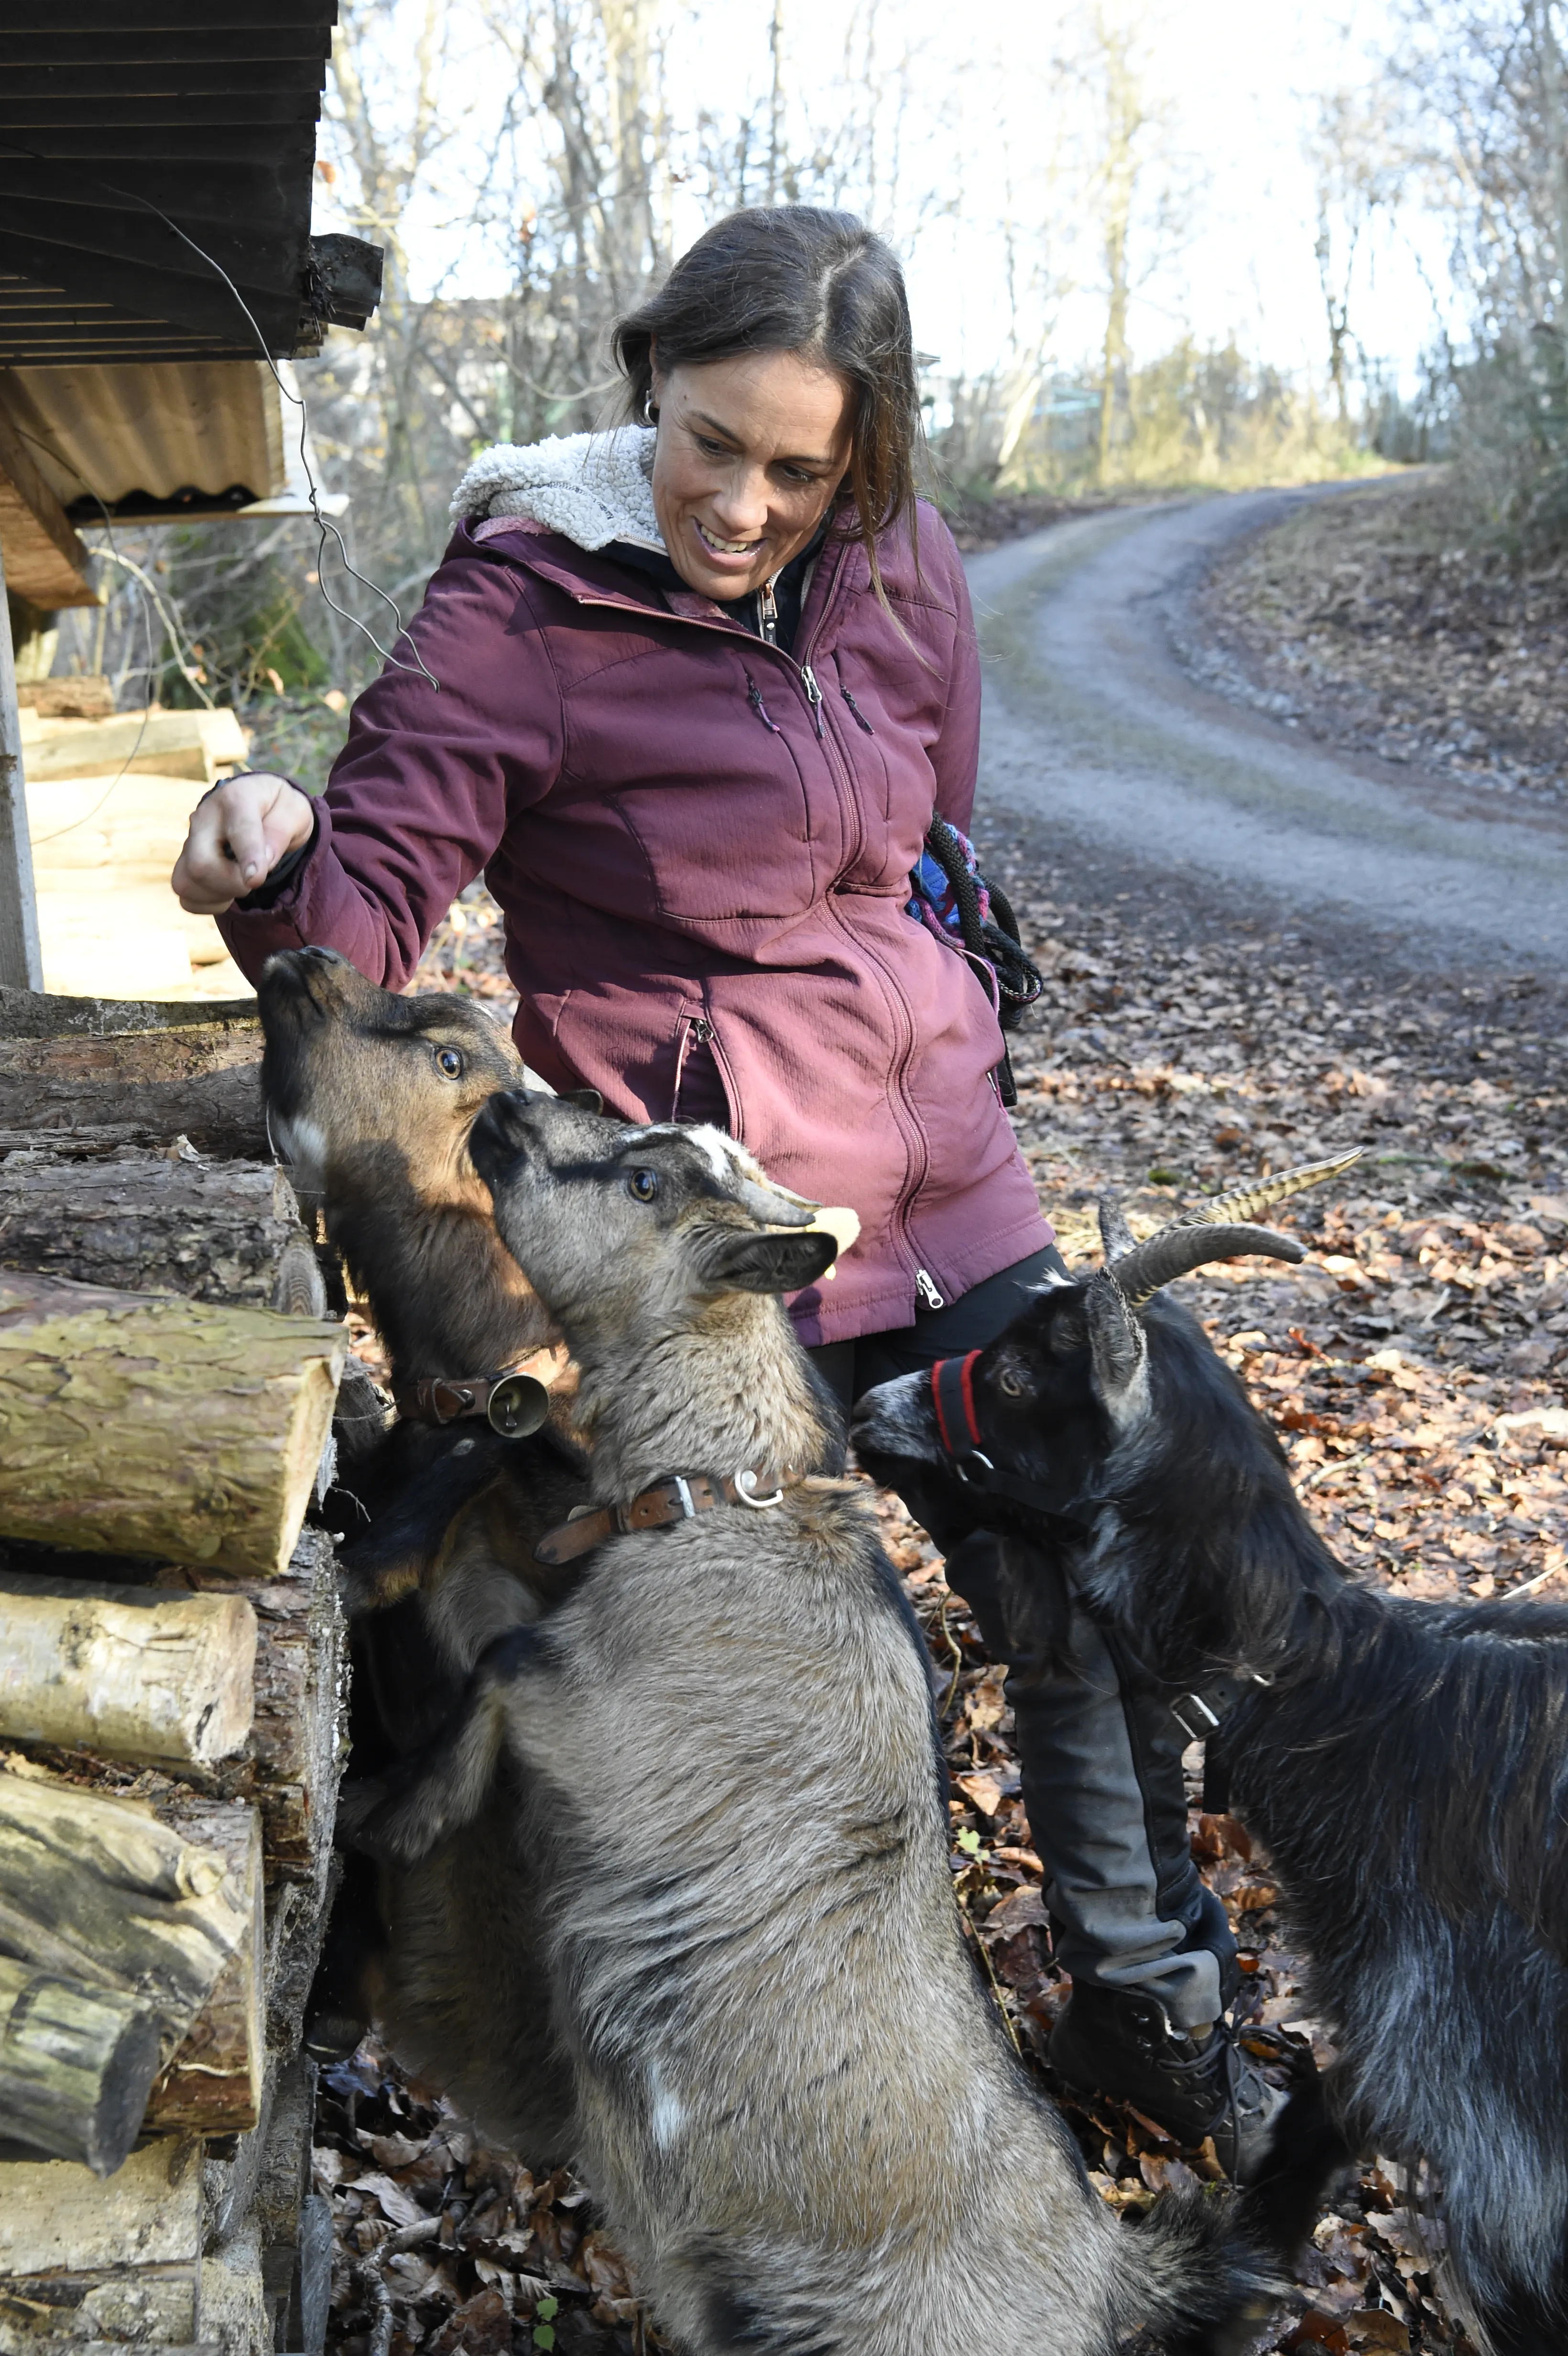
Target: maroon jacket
point(700, 841)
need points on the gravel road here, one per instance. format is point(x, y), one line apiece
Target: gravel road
point(1098, 739)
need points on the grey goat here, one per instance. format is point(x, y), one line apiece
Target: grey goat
point(795, 2101)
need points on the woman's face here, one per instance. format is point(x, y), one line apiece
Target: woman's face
point(750, 451)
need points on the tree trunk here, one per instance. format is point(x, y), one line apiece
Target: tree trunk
point(139, 1425)
point(152, 1223)
point(200, 1080)
point(125, 1670)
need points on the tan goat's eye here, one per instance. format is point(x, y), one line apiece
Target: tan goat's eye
point(643, 1184)
point(448, 1062)
point(1009, 1382)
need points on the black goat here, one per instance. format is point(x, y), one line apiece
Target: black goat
point(1406, 1763)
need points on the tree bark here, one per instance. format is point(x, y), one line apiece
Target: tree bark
point(201, 1080)
point(125, 1670)
point(151, 1223)
point(139, 1425)
point(213, 2082)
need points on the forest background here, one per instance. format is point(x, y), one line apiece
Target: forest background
point(1147, 257)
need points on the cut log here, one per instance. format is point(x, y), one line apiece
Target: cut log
point(85, 2259)
point(136, 1424)
point(77, 2065)
point(126, 1670)
point(155, 1222)
point(213, 2082)
point(201, 1080)
point(299, 1736)
point(118, 1922)
point(51, 1015)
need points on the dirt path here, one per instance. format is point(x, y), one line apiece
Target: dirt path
point(1097, 736)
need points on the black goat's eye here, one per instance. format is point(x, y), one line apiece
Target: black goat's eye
point(448, 1062)
point(641, 1184)
point(1009, 1382)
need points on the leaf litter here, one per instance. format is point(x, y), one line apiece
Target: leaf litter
point(1413, 1368)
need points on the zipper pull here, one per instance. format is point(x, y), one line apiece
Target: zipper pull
point(768, 613)
point(813, 695)
point(857, 710)
point(927, 1290)
point(754, 697)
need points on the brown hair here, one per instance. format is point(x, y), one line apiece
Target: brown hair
point(798, 278)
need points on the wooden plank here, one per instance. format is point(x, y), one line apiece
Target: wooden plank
point(125, 1670)
point(139, 1424)
point(44, 560)
point(20, 965)
point(197, 745)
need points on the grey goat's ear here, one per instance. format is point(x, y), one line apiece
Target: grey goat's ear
point(1115, 1235)
point(1118, 1352)
point(735, 1261)
point(585, 1100)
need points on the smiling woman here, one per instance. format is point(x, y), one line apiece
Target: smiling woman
point(702, 693)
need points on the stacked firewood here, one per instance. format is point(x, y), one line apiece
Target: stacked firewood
point(171, 1689)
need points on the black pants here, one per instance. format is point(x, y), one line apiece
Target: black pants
point(1099, 1751)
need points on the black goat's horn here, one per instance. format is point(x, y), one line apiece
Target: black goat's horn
point(1177, 1251)
point(1246, 1202)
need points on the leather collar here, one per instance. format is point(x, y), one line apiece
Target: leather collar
point(957, 1429)
point(513, 1405)
point(679, 1499)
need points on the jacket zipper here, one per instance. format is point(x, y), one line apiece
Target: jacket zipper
point(927, 1290)
point(813, 697)
point(629, 604)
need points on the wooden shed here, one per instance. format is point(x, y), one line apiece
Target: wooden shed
point(156, 262)
point(171, 1648)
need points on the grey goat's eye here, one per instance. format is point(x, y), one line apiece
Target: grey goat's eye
point(1009, 1382)
point(641, 1184)
point(448, 1062)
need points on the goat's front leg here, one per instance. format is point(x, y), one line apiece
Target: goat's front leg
point(403, 1547)
point(400, 1816)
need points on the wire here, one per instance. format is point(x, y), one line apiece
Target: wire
point(325, 528)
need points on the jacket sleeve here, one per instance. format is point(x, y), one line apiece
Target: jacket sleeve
point(426, 785)
point(956, 754)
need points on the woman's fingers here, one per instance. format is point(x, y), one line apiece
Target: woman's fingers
point(237, 837)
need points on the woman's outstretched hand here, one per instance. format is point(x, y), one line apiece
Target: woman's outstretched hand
point(237, 837)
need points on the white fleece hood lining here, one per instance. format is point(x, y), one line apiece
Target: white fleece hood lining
point(590, 488)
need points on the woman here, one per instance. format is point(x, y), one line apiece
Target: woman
point(689, 694)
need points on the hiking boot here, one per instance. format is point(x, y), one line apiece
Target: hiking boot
point(1193, 2084)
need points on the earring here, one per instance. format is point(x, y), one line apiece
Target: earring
point(650, 408)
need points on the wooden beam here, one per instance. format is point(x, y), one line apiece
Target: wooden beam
point(21, 966)
point(44, 560)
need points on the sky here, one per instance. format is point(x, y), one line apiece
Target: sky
point(963, 134)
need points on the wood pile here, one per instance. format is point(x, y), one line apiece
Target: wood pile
point(172, 1680)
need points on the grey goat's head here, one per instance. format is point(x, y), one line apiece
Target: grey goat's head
point(624, 1228)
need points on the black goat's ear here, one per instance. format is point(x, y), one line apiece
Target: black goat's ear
point(1117, 1349)
point(734, 1261)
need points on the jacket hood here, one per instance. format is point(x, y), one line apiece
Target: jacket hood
point(590, 488)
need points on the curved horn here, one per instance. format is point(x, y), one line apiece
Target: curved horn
point(1177, 1251)
point(773, 1205)
point(1115, 1236)
point(1246, 1202)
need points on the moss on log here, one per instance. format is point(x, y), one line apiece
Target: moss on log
point(138, 1425)
point(77, 2064)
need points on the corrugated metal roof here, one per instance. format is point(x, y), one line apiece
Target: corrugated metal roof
point(114, 113)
